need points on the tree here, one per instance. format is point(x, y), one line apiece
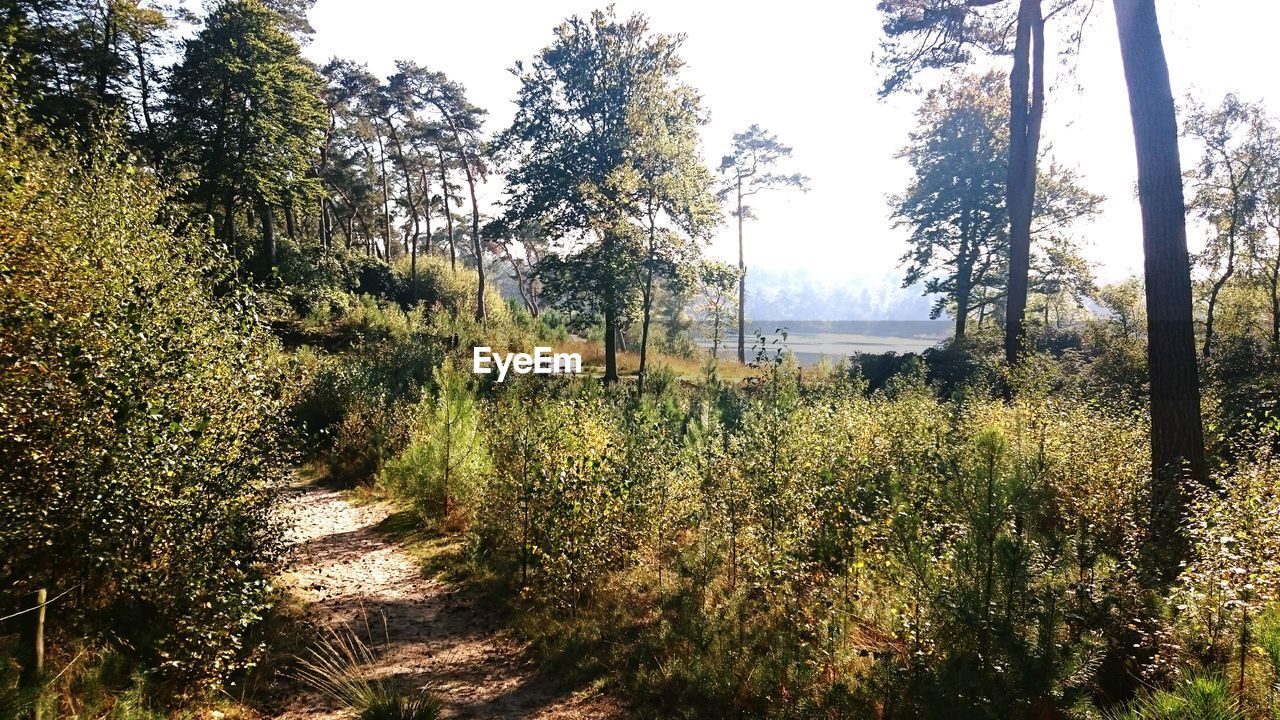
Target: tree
point(574, 138)
point(1060, 277)
point(747, 172)
point(523, 247)
point(246, 116)
point(1229, 188)
point(1271, 219)
point(348, 167)
point(956, 206)
point(946, 33)
point(669, 184)
point(86, 64)
point(715, 301)
point(1177, 436)
point(459, 121)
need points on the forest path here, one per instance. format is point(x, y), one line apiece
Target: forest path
point(425, 632)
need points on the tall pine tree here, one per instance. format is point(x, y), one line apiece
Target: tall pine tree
point(246, 119)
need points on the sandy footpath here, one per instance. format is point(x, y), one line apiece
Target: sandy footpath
point(432, 637)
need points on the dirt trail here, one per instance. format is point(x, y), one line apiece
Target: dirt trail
point(433, 638)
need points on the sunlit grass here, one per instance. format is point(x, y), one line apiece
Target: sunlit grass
point(685, 369)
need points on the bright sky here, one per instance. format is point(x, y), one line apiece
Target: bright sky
point(804, 70)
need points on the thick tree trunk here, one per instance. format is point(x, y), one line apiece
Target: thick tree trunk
point(610, 320)
point(1025, 118)
point(742, 286)
point(1177, 437)
point(610, 341)
point(290, 222)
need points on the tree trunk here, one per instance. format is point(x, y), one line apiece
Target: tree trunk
point(326, 227)
point(742, 286)
point(648, 302)
point(144, 99)
point(413, 212)
point(1217, 290)
point(1275, 300)
point(448, 211)
point(964, 273)
point(229, 220)
point(715, 334)
point(386, 208)
point(267, 253)
point(290, 222)
point(476, 247)
point(1025, 119)
point(426, 201)
point(610, 340)
point(1177, 437)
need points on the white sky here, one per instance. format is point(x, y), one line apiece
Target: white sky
point(804, 70)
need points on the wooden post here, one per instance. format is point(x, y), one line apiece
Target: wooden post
point(32, 643)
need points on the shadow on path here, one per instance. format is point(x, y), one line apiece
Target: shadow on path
point(423, 633)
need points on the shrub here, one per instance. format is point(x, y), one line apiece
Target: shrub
point(1201, 697)
point(390, 705)
point(442, 468)
point(338, 667)
point(140, 426)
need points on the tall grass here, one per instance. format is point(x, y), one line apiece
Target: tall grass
point(338, 667)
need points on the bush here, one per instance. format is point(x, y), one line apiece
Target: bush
point(442, 469)
point(1199, 698)
point(819, 545)
point(140, 426)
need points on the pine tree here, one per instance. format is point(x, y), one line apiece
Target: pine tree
point(246, 119)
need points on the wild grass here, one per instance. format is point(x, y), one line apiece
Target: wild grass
point(337, 666)
point(686, 369)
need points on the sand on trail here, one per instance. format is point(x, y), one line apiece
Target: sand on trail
point(425, 633)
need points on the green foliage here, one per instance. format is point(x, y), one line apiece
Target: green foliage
point(721, 549)
point(955, 208)
point(77, 61)
point(396, 706)
point(140, 429)
point(314, 282)
point(442, 469)
point(354, 410)
point(604, 146)
point(1233, 578)
point(246, 113)
point(1201, 697)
